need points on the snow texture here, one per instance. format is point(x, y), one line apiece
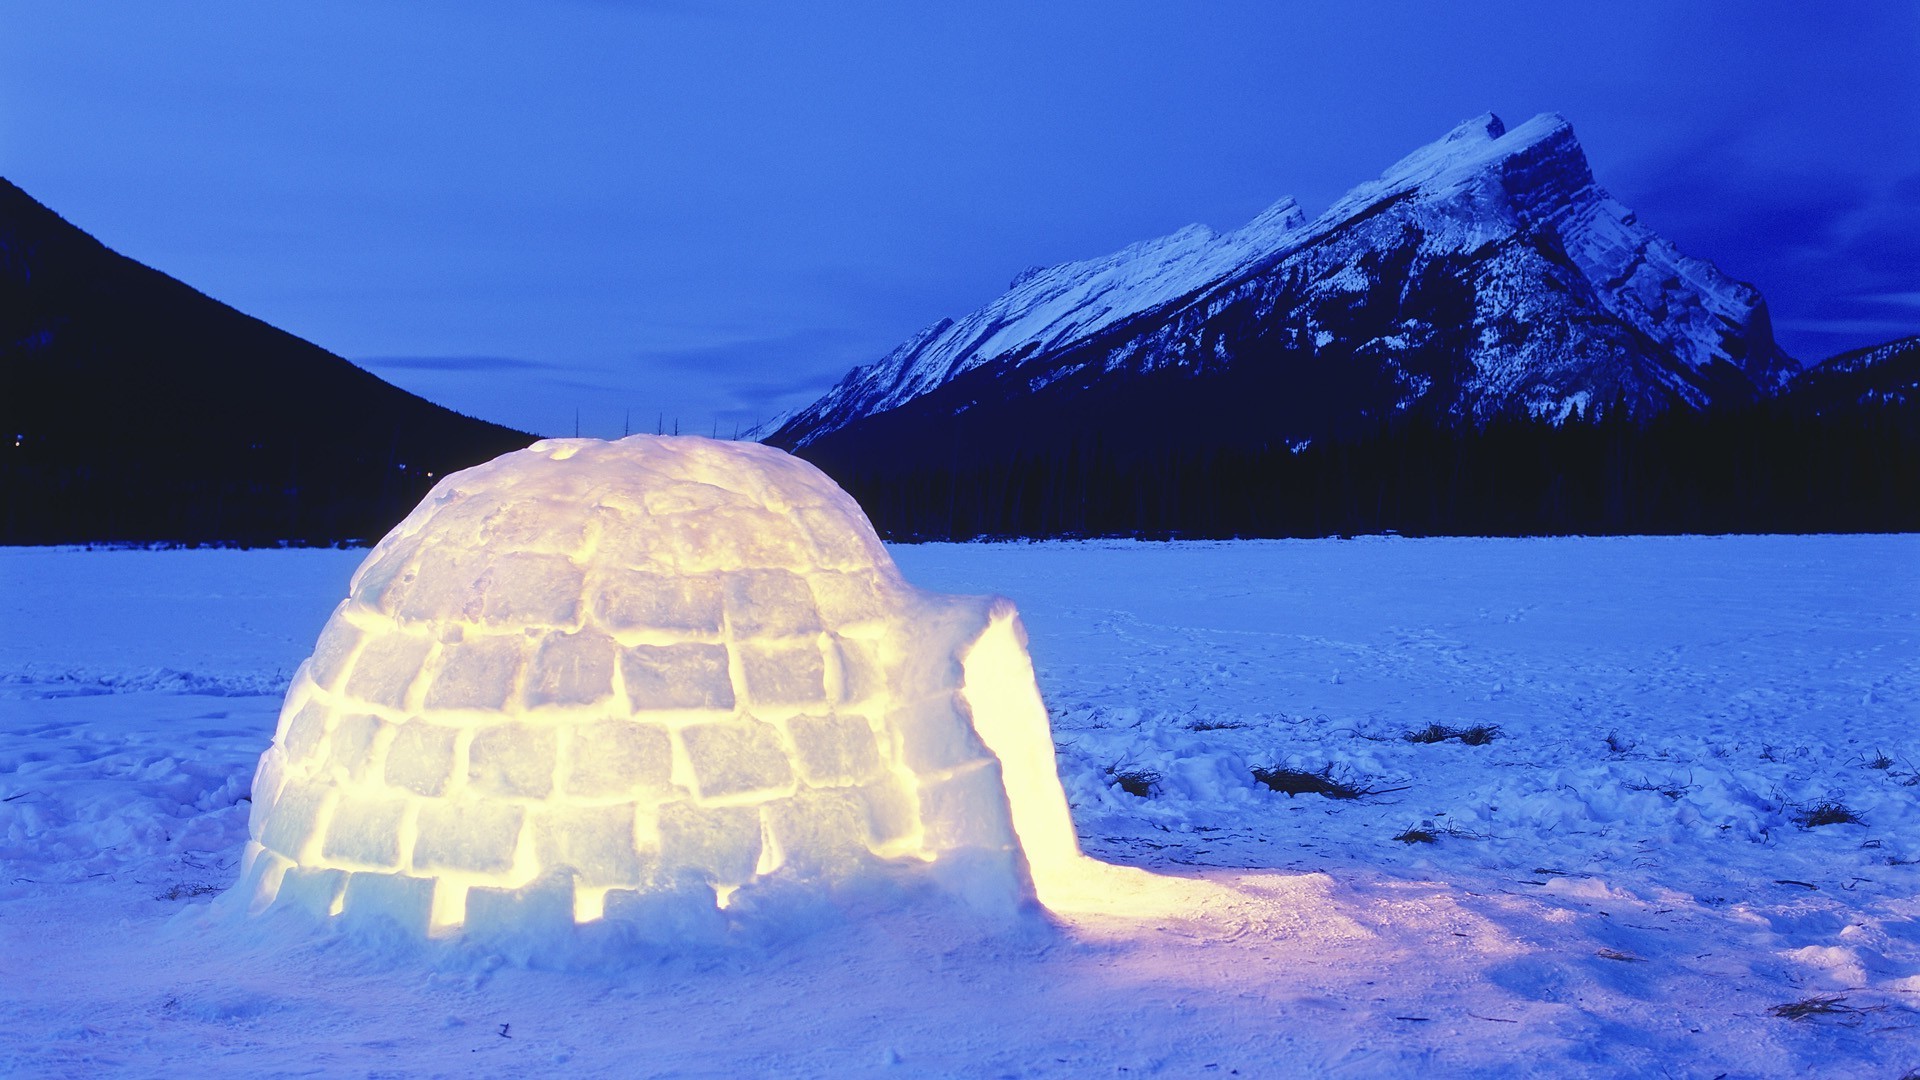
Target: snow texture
point(588, 678)
point(1618, 884)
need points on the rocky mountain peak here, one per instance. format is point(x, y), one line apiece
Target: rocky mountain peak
point(1484, 273)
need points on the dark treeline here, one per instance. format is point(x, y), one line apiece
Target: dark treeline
point(1758, 468)
point(250, 497)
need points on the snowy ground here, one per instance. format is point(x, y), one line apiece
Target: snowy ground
point(1633, 906)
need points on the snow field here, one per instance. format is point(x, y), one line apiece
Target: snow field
point(1586, 908)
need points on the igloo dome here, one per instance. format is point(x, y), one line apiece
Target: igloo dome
point(588, 677)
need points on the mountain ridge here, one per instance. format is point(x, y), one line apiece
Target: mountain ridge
point(139, 408)
point(1573, 305)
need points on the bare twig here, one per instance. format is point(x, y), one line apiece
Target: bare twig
point(1825, 1005)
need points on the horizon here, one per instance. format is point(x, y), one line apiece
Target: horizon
point(789, 198)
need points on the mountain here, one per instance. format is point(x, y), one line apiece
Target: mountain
point(1485, 275)
point(135, 408)
point(1881, 375)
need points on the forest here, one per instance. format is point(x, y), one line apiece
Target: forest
point(1767, 467)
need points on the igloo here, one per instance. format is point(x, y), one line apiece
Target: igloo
point(596, 682)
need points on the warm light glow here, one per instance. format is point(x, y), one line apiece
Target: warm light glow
point(1012, 720)
point(1007, 712)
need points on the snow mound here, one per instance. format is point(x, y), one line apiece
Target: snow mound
point(618, 683)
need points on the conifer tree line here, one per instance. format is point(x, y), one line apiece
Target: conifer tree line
point(265, 495)
point(1777, 466)
point(1770, 467)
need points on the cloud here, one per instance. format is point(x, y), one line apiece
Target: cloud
point(754, 378)
point(1872, 330)
point(803, 347)
point(453, 363)
point(1897, 299)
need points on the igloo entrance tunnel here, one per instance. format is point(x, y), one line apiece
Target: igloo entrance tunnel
point(595, 681)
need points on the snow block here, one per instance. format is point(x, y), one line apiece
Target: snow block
point(680, 911)
point(365, 832)
point(444, 587)
point(512, 760)
point(421, 757)
point(353, 749)
point(837, 547)
point(595, 842)
point(310, 889)
point(299, 695)
point(525, 923)
point(399, 899)
point(736, 757)
point(847, 599)
point(382, 578)
point(784, 673)
point(470, 835)
point(386, 668)
point(530, 588)
point(727, 537)
point(770, 603)
point(572, 669)
point(553, 526)
point(677, 677)
point(861, 675)
point(305, 731)
point(613, 758)
point(893, 813)
point(818, 834)
point(721, 843)
point(334, 649)
point(267, 780)
point(260, 874)
point(834, 750)
point(478, 672)
point(295, 818)
point(636, 600)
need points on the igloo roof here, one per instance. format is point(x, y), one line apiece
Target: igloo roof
point(588, 675)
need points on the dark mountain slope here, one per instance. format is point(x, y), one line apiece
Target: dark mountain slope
point(1882, 375)
point(135, 408)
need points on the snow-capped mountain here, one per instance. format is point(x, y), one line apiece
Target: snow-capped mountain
point(1485, 274)
point(1049, 308)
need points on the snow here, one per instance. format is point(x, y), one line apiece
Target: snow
point(1617, 884)
point(1457, 160)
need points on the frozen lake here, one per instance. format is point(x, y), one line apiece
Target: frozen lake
point(1625, 879)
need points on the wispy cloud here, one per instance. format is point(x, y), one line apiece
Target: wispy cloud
point(453, 363)
point(1896, 299)
point(760, 376)
point(1884, 328)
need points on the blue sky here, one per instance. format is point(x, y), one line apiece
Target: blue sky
point(710, 211)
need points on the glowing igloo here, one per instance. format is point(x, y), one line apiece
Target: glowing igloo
point(589, 677)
